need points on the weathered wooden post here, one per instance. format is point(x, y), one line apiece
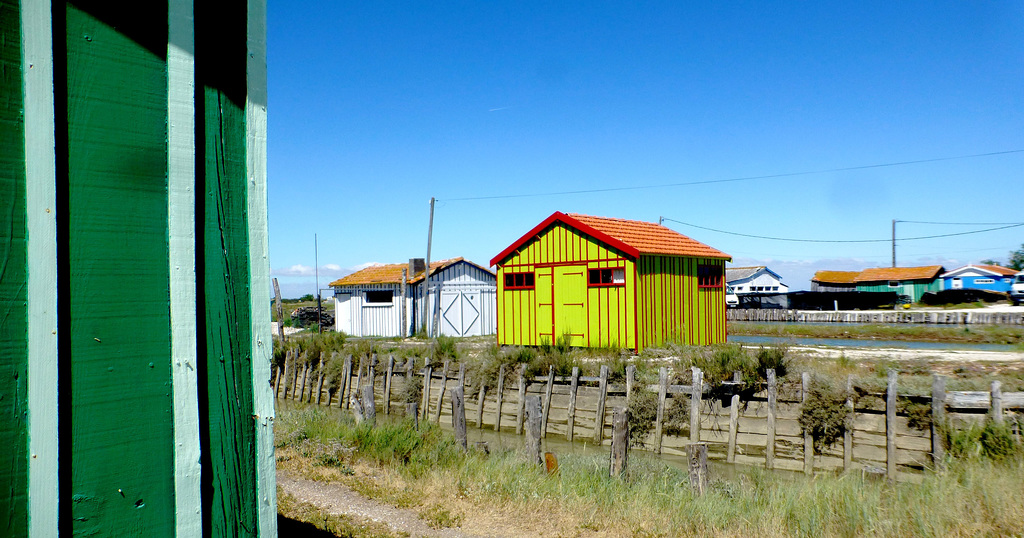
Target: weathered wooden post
point(573, 386)
point(462, 375)
point(412, 412)
point(280, 311)
point(697, 455)
point(426, 385)
point(630, 377)
point(283, 389)
point(734, 419)
point(890, 427)
point(301, 392)
point(547, 401)
point(769, 449)
point(480, 405)
point(459, 417)
point(277, 380)
point(805, 387)
point(696, 393)
point(601, 400)
point(320, 380)
point(938, 418)
point(848, 432)
point(501, 397)
point(440, 395)
point(387, 384)
point(359, 377)
point(996, 408)
point(369, 408)
point(620, 442)
point(533, 419)
point(346, 382)
point(371, 370)
point(521, 409)
point(659, 420)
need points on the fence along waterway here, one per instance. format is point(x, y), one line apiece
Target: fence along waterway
point(758, 426)
point(959, 317)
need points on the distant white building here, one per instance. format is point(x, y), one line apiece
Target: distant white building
point(376, 301)
point(757, 279)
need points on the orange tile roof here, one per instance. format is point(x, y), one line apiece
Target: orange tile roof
point(392, 273)
point(650, 238)
point(836, 277)
point(899, 273)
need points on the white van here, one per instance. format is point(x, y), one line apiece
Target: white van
point(1017, 289)
point(731, 299)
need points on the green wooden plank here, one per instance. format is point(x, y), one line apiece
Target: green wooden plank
point(228, 429)
point(13, 284)
point(122, 434)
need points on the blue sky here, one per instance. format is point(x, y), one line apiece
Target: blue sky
point(376, 107)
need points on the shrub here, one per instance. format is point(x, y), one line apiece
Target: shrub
point(774, 357)
point(445, 348)
point(642, 407)
point(824, 415)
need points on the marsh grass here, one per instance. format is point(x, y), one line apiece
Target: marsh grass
point(654, 500)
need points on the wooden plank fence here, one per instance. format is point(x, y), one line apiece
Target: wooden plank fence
point(760, 430)
point(875, 316)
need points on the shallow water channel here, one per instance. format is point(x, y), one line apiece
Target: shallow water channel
point(852, 342)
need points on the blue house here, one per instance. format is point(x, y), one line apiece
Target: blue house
point(979, 277)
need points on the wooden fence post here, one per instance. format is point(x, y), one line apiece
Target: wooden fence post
point(697, 455)
point(805, 387)
point(630, 376)
point(620, 442)
point(547, 401)
point(996, 409)
point(848, 433)
point(501, 397)
point(277, 382)
point(938, 418)
point(301, 385)
point(411, 411)
point(359, 377)
point(371, 369)
point(462, 375)
point(769, 449)
point(734, 423)
point(659, 420)
point(890, 426)
point(369, 408)
point(696, 393)
point(571, 419)
point(426, 388)
point(521, 410)
point(532, 405)
point(440, 395)
point(283, 389)
point(346, 382)
point(320, 380)
point(459, 417)
point(480, 405)
point(601, 400)
point(387, 384)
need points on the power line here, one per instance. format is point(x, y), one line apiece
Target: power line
point(734, 179)
point(795, 240)
point(958, 223)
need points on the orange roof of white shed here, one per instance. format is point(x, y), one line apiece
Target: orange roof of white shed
point(392, 273)
point(634, 237)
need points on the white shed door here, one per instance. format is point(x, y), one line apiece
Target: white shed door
point(460, 313)
point(343, 313)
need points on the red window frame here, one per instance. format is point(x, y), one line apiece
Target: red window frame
point(710, 276)
point(611, 277)
point(523, 280)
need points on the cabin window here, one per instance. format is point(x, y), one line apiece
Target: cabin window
point(379, 297)
point(984, 281)
point(518, 281)
point(894, 283)
point(709, 276)
point(607, 277)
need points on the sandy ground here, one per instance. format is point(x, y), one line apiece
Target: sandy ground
point(902, 354)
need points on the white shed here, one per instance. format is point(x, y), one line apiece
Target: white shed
point(376, 302)
point(757, 279)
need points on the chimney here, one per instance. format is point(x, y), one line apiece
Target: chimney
point(416, 265)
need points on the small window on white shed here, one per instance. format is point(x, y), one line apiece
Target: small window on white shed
point(379, 297)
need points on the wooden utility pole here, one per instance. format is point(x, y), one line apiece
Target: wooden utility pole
point(894, 242)
point(316, 272)
point(426, 270)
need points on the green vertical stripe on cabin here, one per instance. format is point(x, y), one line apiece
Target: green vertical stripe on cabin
point(230, 488)
point(912, 288)
point(13, 282)
point(122, 443)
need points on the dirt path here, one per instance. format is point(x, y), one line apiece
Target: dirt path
point(903, 354)
point(338, 499)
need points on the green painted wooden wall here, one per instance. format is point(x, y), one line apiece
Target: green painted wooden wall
point(13, 282)
point(153, 237)
point(913, 288)
point(659, 301)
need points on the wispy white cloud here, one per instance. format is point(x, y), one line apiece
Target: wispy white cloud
point(327, 270)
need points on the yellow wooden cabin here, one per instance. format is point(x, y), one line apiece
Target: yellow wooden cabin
point(606, 282)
